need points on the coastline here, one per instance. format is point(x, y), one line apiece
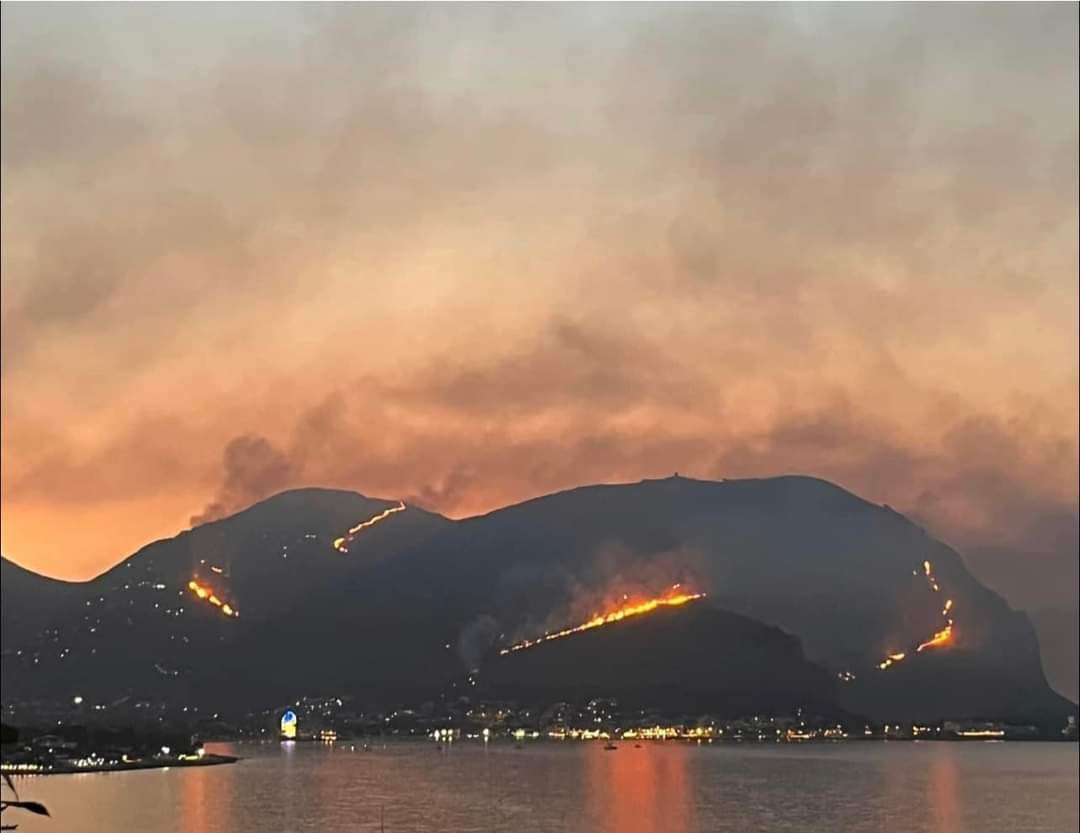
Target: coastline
point(210, 759)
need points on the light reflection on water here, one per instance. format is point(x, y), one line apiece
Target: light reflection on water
point(581, 787)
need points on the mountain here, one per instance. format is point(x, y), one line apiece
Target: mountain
point(140, 627)
point(418, 600)
point(1059, 641)
point(29, 601)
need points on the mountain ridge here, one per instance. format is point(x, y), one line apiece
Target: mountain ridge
point(841, 573)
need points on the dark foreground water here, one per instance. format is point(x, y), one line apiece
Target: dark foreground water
point(570, 787)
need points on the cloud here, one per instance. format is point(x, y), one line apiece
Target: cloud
point(254, 469)
point(471, 256)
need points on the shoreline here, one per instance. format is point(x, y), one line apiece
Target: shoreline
point(210, 759)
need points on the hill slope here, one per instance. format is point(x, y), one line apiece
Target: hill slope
point(417, 599)
point(29, 601)
point(693, 659)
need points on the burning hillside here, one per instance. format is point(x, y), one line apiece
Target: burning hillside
point(207, 594)
point(342, 544)
point(674, 597)
point(941, 638)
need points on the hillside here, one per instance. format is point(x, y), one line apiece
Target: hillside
point(418, 600)
point(692, 659)
point(29, 601)
point(143, 625)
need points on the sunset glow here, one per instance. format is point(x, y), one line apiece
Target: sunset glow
point(729, 350)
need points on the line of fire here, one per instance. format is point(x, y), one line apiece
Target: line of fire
point(342, 544)
point(941, 638)
point(207, 594)
point(674, 597)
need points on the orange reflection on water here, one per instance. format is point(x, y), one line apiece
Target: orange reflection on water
point(207, 795)
point(193, 812)
point(942, 787)
point(639, 789)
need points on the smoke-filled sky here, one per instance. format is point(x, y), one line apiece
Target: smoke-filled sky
point(466, 255)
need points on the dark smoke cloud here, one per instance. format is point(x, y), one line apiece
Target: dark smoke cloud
point(254, 469)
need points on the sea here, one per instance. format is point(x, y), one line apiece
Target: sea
point(580, 787)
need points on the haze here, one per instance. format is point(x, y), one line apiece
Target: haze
point(468, 255)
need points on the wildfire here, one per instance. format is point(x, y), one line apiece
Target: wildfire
point(207, 594)
point(673, 598)
point(342, 544)
point(942, 637)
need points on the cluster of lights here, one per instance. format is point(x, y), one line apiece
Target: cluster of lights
point(7, 767)
point(342, 544)
point(674, 598)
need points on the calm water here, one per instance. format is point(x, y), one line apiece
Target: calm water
point(669, 787)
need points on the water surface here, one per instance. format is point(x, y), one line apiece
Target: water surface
point(404, 787)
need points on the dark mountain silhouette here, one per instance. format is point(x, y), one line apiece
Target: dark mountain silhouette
point(418, 600)
point(139, 628)
point(29, 601)
point(1059, 640)
point(692, 659)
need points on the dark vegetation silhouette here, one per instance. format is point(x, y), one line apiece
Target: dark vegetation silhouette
point(11, 735)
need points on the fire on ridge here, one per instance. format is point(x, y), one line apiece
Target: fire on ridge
point(342, 544)
point(675, 597)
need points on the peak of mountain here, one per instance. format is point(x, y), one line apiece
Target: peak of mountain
point(309, 502)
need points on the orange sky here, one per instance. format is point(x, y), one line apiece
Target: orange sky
point(470, 255)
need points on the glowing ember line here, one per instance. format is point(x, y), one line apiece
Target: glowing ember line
point(607, 618)
point(342, 544)
point(942, 637)
point(205, 593)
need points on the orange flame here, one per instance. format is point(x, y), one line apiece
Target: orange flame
point(672, 599)
point(342, 544)
point(207, 594)
point(942, 637)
